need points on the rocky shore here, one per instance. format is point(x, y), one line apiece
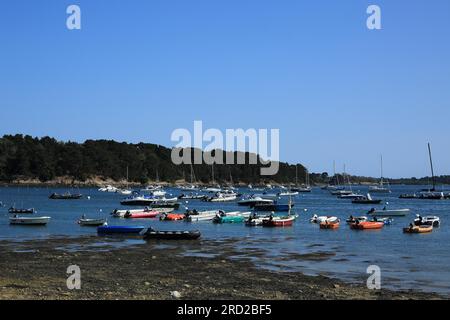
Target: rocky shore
point(37, 270)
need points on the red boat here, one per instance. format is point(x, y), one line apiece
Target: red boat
point(173, 217)
point(142, 215)
point(367, 225)
point(279, 222)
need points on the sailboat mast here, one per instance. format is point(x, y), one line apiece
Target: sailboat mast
point(432, 169)
point(382, 178)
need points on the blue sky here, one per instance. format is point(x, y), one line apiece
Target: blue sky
point(140, 69)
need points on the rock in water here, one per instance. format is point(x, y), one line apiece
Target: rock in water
point(175, 294)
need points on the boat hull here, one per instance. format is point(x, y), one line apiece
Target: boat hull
point(38, 221)
point(105, 230)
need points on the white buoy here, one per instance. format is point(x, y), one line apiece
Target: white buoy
point(89, 197)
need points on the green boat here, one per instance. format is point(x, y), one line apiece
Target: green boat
point(229, 219)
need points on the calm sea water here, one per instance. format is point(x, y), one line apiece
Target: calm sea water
point(418, 262)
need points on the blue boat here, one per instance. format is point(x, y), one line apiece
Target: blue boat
point(120, 230)
point(274, 207)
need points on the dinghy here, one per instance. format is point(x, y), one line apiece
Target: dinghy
point(13, 210)
point(330, 219)
point(142, 215)
point(121, 213)
point(35, 221)
point(105, 230)
point(389, 213)
point(427, 221)
point(152, 234)
point(418, 229)
point(330, 225)
point(367, 225)
point(91, 222)
point(272, 221)
point(172, 217)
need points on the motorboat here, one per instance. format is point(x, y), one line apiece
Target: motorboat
point(352, 219)
point(121, 213)
point(142, 215)
point(274, 221)
point(427, 221)
point(389, 213)
point(366, 200)
point(196, 216)
point(351, 196)
point(320, 219)
point(367, 225)
point(252, 201)
point(108, 189)
point(91, 222)
point(65, 196)
point(418, 229)
point(28, 221)
point(275, 207)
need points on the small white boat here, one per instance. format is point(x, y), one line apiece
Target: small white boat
point(109, 189)
point(124, 192)
point(121, 213)
point(350, 196)
point(288, 194)
point(434, 221)
point(252, 201)
point(221, 197)
point(92, 222)
point(322, 219)
point(389, 213)
point(35, 221)
point(202, 215)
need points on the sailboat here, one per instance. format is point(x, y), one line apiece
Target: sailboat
point(126, 191)
point(335, 185)
point(431, 194)
point(380, 188)
point(192, 186)
point(305, 188)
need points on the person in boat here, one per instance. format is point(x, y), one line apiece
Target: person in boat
point(351, 219)
point(385, 208)
point(372, 210)
point(375, 219)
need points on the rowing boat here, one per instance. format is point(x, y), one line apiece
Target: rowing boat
point(367, 225)
point(418, 229)
point(172, 217)
point(279, 221)
point(329, 225)
point(142, 215)
point(91, 222)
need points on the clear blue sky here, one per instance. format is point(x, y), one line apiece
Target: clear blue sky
point(139, 69)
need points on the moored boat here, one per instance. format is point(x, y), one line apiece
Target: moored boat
point(105, 230)
point(65, 196)
point(330, 225)
point(142, 215)
point(273, 221)
point(389, 213)
point(365, 200)
point(320, 219)
point(121, 213)
point(172, 217)
point(367, 225)
point(418, 229)
point(352, 219)
point(275, 207)
point(28, 221)
point(427, 221)
point(252, 201)
point(91, 222)
point(152, 234)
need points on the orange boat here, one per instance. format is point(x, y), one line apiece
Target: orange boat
point(367, 225)
point(418, 229)
point(173, 217)
point(329, 225)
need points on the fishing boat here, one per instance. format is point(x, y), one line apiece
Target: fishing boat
point(427, 221)
point(91, 222)
point(418, 229)
point(389, 213)
point(142, 215)
point(352, 219)
point(27, 221)
point(275, 207)
point(196, 216)
point(273, 221)
point(65, 196)
point(106, 230)
point(14, 210)
point(152, 234)
point(367, 225)
point(366, 200)
point(253, 200)
point(330, 225)
point(172, 217)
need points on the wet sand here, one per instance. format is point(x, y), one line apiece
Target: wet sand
point(36, 270)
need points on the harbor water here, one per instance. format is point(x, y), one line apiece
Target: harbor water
point(407, 261)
